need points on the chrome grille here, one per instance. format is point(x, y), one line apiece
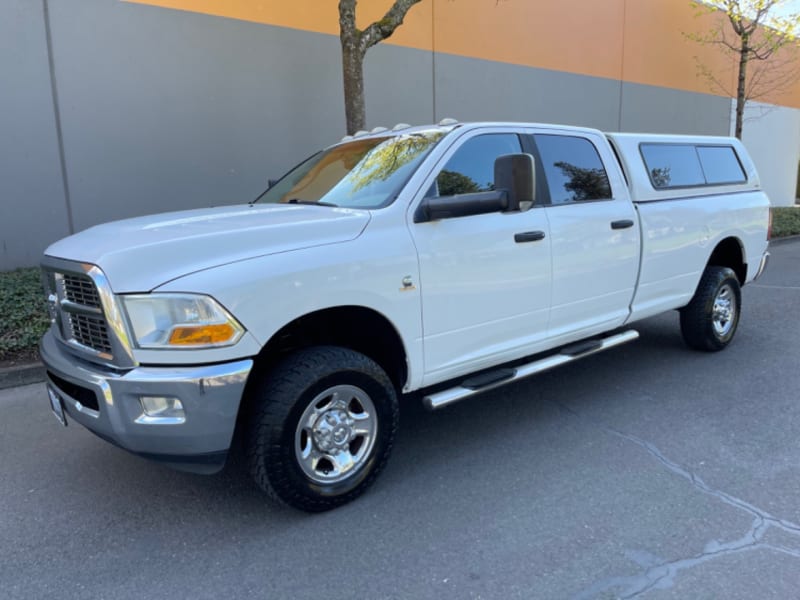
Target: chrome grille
point(90, 331)
point(79, 314)
point(80, 290)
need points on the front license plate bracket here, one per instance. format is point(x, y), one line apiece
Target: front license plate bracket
point(57, 406)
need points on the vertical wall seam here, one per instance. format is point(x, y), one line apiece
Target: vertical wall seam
point(433, 60)
point(57, 114)
point(622, 63)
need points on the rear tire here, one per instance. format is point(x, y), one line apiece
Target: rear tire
point(322, 428)
point(710, 320)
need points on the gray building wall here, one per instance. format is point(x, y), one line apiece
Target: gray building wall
point(165, 110)
point(33, 210)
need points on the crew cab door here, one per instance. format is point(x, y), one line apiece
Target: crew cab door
point(594, 232)
point(485, 278)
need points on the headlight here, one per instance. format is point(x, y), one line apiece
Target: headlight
point(180, 321)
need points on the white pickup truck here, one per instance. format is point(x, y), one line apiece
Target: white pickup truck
point(441, 261)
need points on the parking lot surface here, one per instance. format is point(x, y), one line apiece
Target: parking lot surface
point(649, 471)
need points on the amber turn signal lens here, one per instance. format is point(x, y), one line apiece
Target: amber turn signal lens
point(201, 334)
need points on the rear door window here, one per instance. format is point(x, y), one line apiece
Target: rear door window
point(573, 169)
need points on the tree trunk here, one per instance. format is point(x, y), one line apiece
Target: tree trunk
point(741, 94)
point(353, 72)
point(355, 44)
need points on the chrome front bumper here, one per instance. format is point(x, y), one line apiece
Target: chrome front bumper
point(210, 396)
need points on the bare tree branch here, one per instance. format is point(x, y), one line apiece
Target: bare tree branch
point(759, 36)
point(380, 30)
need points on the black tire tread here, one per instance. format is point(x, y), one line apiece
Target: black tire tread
point(276, 395)
point(695, 317)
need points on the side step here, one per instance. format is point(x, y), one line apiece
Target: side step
point(503, 376)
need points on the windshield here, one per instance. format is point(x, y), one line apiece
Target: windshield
point(365, 173)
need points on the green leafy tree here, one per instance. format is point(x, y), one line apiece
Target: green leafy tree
point(451, 183)
point(385, 159)
point(585, 184)
point(355, 43)
point(751, 32)
point(661, 176)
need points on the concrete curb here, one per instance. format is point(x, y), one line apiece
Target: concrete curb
point(21, 375)
point(784, 240)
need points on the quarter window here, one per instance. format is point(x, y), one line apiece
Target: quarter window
point(471, 168)
point(573, 169)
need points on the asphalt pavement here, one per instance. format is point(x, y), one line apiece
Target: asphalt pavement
point(648, 471)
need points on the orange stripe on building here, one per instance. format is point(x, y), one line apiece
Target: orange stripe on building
point(319, 16)
point(637, 41)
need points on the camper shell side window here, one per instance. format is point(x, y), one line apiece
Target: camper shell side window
point(684, 165)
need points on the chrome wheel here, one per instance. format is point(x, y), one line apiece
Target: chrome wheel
point(321, 427)
point(710, 319)
point(335, 434)
point(723, 314)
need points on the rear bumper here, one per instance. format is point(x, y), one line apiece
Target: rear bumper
point(108, 403)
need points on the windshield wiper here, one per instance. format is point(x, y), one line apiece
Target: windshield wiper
point(314, 202)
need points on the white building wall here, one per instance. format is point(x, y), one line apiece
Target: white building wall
point(772, 137)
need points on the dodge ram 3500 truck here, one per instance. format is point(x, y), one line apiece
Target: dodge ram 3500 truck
point(443, 260)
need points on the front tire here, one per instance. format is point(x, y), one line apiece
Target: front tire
point(322, 428)
point(710, 320)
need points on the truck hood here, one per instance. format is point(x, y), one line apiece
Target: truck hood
point(138, 255)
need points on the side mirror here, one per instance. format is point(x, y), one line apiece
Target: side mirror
point(516, 175)
point(513, 191)
point(460, 205)
point(271, 183)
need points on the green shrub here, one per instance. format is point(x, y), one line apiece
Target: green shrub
point(23, 314)
point(785, 221)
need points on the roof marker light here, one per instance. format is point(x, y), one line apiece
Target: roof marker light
point(346, 138)
point(400, 126)
point(379, 130)
point(360, 132)
point(448, 121)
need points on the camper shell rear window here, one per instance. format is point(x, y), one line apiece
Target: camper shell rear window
point(671, 166)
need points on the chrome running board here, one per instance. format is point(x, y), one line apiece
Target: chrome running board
point(562, 356)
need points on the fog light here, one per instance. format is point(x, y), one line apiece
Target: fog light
point(161, 410)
